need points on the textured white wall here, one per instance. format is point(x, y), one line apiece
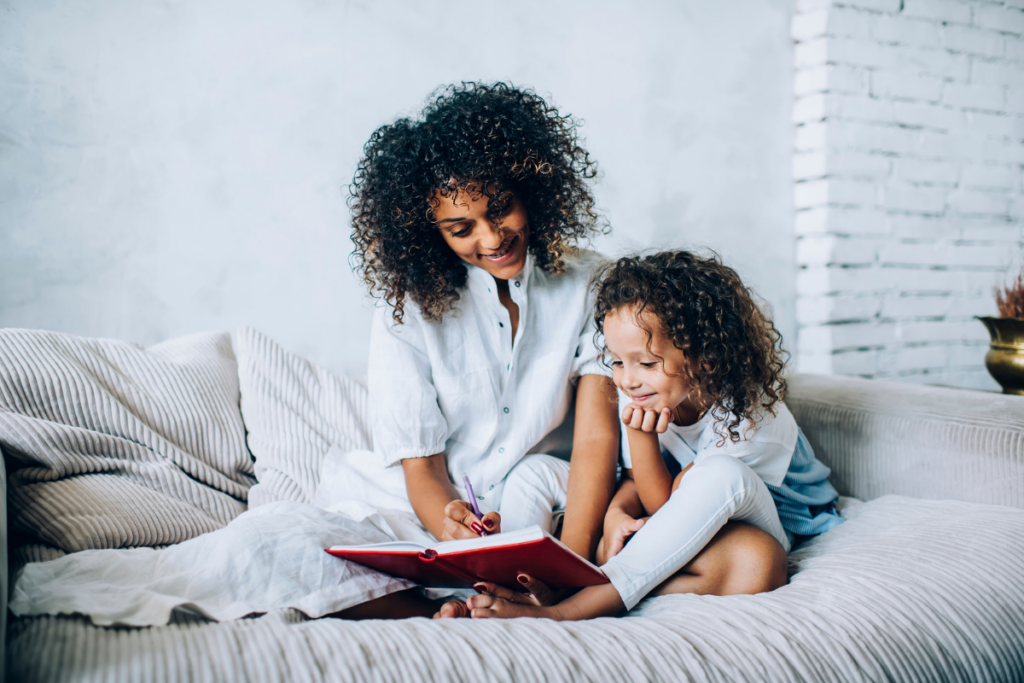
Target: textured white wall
point(909, 187)
point(173, 167)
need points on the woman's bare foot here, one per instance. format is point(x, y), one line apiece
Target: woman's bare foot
point(453, 609)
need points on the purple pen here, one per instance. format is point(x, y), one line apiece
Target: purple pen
point(472, 499)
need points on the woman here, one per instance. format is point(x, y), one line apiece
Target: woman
point(465, 224)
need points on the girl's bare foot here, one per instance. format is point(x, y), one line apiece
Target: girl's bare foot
point(593, 601)
point(453, 609)
point(492, 607)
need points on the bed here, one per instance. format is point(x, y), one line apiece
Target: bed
point(111, 445)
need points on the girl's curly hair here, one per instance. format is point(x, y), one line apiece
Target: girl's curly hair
point(484, 139)
point(707, 313)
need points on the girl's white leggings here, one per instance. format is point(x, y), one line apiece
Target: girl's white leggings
point(718, 488)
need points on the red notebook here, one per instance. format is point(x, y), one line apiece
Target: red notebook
point(498, 559)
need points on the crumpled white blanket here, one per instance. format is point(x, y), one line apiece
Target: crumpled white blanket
point(267, 558)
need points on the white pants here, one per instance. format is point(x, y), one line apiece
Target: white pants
point(718, 488)
point(535, 493)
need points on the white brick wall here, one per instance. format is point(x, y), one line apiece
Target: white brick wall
point(909, 191)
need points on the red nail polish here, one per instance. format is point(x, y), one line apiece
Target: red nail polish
point(479, 587)
point(488, 522)
point(522, 579)
point(476, 527)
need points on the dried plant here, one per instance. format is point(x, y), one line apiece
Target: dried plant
point(1010, 299)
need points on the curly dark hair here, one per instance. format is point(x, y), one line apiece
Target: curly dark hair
point(484, 139)
point(707, 313)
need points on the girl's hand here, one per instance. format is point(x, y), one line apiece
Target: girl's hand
point(637, 417)
point(460, 522)
point(612, 543)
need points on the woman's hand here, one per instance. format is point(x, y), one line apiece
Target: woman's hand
point(437, 504)
point(641, 419)
point(461, 522)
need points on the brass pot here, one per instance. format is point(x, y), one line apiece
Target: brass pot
point(1005, 357)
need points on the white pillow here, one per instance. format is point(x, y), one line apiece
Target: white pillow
point(294, 412)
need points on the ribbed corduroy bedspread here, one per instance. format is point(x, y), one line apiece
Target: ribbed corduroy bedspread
point(907, 590)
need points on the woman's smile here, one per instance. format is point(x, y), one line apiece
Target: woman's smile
point(504, 254)
point(496, 243)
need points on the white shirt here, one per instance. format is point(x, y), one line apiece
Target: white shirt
point(767, 447)
point(459, 386)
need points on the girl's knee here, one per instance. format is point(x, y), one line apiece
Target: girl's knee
point(757, 561)
point(720, 468)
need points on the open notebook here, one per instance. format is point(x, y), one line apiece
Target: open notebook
point(498, 558)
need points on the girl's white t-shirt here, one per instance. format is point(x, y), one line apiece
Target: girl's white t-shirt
point(459, 386)
point(766, 447)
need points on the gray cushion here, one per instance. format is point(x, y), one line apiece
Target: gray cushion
point(115, 445)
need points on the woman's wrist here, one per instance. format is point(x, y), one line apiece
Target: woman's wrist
point(430, 490)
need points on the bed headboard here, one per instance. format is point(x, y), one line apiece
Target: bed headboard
point(884, 438)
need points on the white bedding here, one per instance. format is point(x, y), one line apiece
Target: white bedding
point(269, 558)
point(906, 590)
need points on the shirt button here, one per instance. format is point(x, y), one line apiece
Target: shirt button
point(500, 450)
point(479, 497)
point(506, 410)
point(492, 488)
point(517, 283)
point(501, 324)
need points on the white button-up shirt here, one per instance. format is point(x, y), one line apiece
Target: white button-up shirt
point(460, 387)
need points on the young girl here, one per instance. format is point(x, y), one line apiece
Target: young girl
point(701, 372)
